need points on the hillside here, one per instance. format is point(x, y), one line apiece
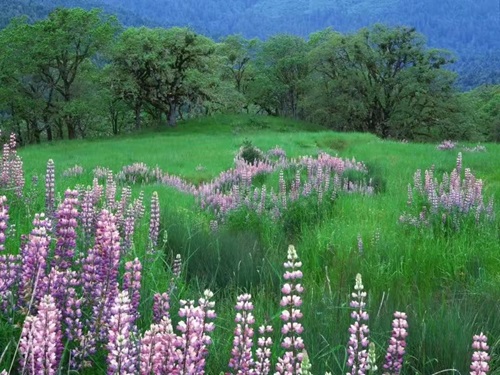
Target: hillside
point(467, 27)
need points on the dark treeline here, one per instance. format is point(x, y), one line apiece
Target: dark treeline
point(78, 73)
point(469, 28)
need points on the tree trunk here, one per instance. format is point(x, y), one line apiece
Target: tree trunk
point(172, 113)
point(48, 129)
point(137, 114)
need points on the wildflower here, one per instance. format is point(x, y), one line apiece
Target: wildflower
point(358, 340)
point(290, 362)
point(397, 344)
point(480, 357)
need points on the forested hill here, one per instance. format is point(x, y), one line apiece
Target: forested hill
point(470, 28)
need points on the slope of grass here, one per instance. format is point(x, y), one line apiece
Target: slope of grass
point(448, 283)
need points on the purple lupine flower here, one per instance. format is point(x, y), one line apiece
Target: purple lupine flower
point(358, 341)
point(292, 342)
point(122, 354)
point(88, 216)
point(110, 191)
point(41, 345)
point(34, 262)
point(139, 209)
point(480, 358)
point(17, 175)
point(263, 352)
point(194, 338)
point(50, 188)
point(10, 272)
point(158, 350)
point(154, 223)
point(4, 218)
point(129, 228)
point(397, 344)
point(100, 284)
point(66, 216)
point(242, 361)
point(132, 283)
point(161, 307)
point(176, 273)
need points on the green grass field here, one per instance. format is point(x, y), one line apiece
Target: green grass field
point(448, 283)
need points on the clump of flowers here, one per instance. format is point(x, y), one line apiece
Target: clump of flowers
point(477, 148)
point(76, 170)
point(11, 167)
point(101, 173)
point(135, 173)
point(449, 201)
point(446, 145)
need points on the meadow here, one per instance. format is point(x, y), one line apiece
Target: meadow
point(233, 193)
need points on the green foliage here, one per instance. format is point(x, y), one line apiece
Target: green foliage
point(250, 153)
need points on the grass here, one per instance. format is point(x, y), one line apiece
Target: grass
point(447, 283)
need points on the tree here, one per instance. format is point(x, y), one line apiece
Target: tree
point(282, 69)
point(43, 61)
point(161, 65)
point(383, 80)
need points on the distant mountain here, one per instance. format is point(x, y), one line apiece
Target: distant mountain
point(470, 28)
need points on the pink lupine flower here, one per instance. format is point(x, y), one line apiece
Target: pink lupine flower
point(4, 218)
point(88, 216)
point(358, 340)
point(110, 191)
point(122, 354)
point(290, 362)
point(154, 223)
point(34, 262)
point(41, 345)
point(263, 352)
point(50, 189)
point(242, 361)
point(397, 344)
point(480, 358)
point(132, 282)
point(194, 338)
point(66, 224)
point(10, 272)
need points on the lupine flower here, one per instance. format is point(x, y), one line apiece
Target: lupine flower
point(480, 358)
point(88, 216)
point(132, 282)
point(110, 191)
point(122, 356)
point(10, 272)
point(154, 223)
point(242, 361)
point(40, 345)
point(50, 177)
point(100, 276)
point(161, 306)
point(66, 224)
point(263, 352)
point(4, 218)
point(194, 338)
point(397, 344)
point(357, 348)
point(290, 362)
point(34, 262)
